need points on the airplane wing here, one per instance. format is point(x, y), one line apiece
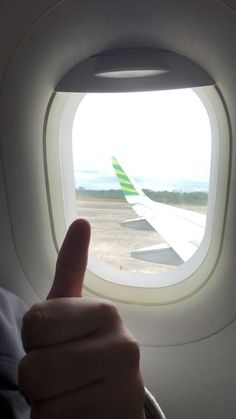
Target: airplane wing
point(182, 230)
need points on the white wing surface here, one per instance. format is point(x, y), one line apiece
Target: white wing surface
point(181, 229)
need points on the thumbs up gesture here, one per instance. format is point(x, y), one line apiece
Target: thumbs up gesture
point(81, 362)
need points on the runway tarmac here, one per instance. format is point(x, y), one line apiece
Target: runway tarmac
point(113, 243)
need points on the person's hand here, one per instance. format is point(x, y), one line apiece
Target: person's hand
point(81, 362)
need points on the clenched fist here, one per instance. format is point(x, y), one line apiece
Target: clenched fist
point(81, 362)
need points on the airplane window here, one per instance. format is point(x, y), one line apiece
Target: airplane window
point(141, 171)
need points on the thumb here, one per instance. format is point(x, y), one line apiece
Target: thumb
point(72, 262)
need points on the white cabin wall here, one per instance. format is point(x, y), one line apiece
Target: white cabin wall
point(17, 17)
point(194, 381)
point(16, 20)
point(12, 275)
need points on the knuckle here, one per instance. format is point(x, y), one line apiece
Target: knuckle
point(30, 377)
point(132, 352)
point(23, 377)
point(31, 318)
point(109, 313)
point(32, 325)
point(34, 312)
point(126, 349)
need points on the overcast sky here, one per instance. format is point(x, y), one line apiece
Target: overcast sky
point(154, 135)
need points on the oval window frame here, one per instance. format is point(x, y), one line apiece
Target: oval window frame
point(193, 274)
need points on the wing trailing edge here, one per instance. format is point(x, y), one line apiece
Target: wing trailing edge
point(139, 223)
point(158, 254)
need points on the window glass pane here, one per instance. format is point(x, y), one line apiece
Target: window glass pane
point(134, 152)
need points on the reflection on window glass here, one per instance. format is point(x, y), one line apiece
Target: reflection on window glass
point(141, 169)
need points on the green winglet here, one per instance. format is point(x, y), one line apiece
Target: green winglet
point(125, 183)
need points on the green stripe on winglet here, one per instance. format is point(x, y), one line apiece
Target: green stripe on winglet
point(125, 183)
